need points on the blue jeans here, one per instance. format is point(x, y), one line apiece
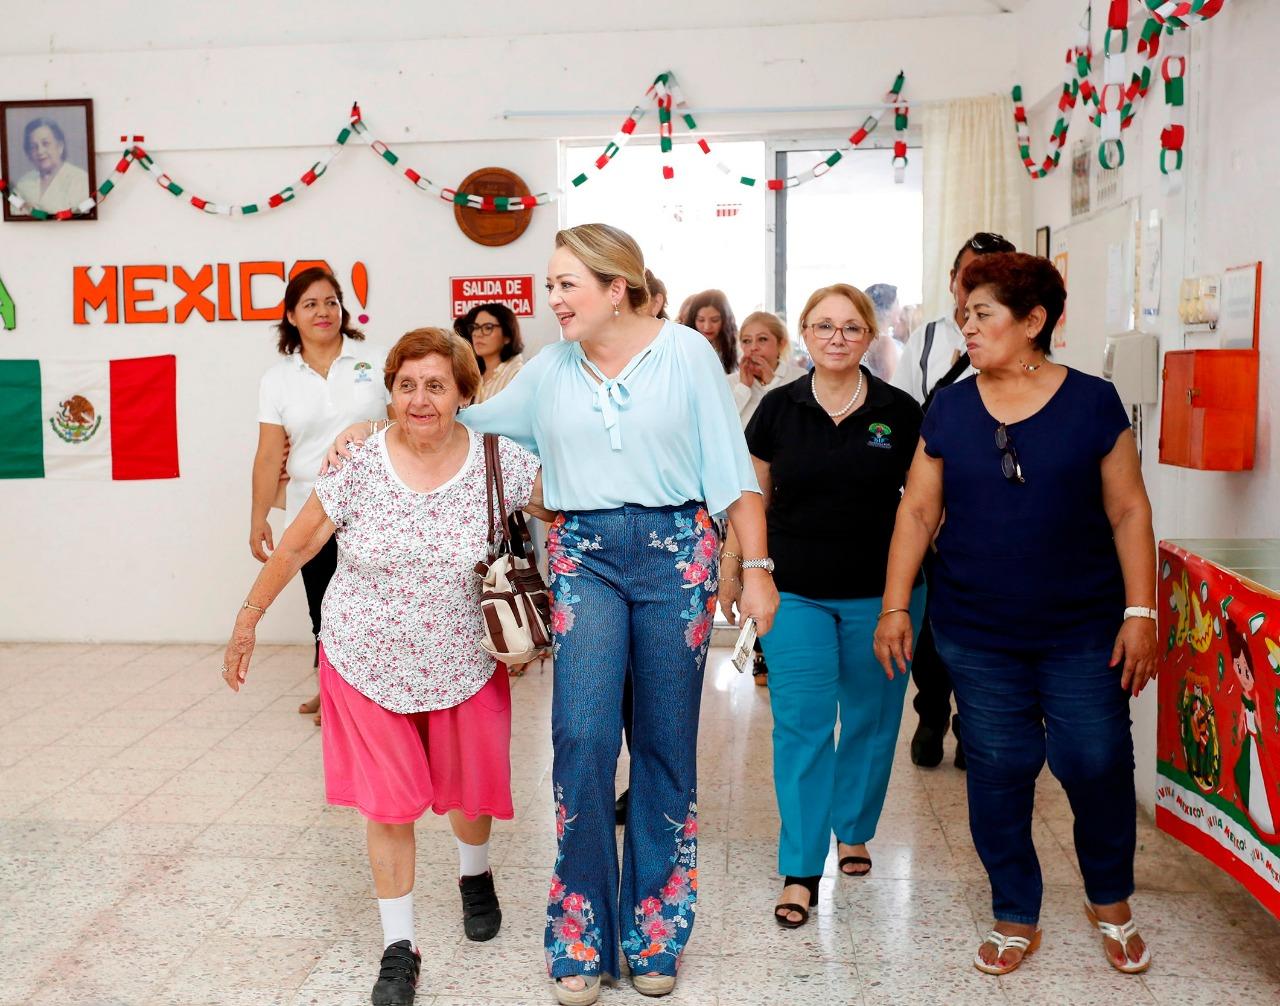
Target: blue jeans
point(1016, 707)
point(633, 585)
point(821, 664)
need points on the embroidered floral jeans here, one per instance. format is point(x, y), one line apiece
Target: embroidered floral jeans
point(635, 585)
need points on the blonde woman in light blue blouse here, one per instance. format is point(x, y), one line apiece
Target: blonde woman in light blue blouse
point(640, 444)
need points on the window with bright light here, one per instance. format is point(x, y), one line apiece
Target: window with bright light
point(697, 230)
point(765, 250)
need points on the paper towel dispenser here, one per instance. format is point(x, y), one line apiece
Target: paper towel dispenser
point(1131, 361)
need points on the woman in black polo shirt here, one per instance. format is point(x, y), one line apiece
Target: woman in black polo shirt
point(831, 450)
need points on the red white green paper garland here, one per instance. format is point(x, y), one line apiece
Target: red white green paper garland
point(22, 207)
point(668, 88)
point(664, 92)
point(1115, 104)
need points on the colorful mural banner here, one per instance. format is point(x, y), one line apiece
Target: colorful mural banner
point(1218, 734)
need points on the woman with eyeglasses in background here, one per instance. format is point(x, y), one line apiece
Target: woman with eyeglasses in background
point(1042, 599)
point(494, 334)
point(831, 450)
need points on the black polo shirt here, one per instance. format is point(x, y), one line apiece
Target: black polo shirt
point(835, 487)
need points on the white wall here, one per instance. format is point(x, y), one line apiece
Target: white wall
point(1227, 214)
point(235, 104)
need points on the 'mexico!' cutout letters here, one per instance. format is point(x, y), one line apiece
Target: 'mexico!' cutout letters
point(161, 295)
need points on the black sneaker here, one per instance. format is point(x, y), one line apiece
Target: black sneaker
point(620, 808)
point(398, 977)
point(961, 763)
point(926, 746)
point(481, 914)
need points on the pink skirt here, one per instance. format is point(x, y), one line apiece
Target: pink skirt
point(393, 766)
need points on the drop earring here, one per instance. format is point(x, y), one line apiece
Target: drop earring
point(615, 309)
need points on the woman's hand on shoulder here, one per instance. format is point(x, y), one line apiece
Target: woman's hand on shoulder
point(1136, 646)
point(892, 642)
point(347, 441)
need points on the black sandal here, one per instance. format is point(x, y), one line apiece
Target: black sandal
point(855, 861)
point(780, 912)
point(481, 913)
point(398, 976)
point(760, 671)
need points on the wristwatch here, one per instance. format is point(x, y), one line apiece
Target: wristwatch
point(765, 564)
point(1139, 612)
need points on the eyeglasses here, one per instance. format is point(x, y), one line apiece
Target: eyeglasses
point(987, 241)
point(824, 331)
point(486, 329)
point(1009, 464)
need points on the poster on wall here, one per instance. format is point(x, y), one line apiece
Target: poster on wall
point(1060, 329)
point(1218, 732)
point(1081, 162)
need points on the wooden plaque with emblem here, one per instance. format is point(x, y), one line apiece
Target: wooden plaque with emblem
point(492, 228)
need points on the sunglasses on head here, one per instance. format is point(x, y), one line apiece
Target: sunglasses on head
point(1010, 467)
point(986, 241)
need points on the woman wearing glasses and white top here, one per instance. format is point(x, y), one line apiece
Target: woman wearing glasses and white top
point(831, 450)
point(1041, 599)
point(494, 334)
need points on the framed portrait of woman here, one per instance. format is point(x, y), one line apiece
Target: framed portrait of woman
point(46, 157)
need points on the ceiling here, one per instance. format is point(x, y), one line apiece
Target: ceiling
point(60, 26)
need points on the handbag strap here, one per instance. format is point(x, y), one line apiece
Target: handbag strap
point(498, 533)
point(947, 379)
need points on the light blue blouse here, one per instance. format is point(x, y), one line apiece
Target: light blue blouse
point(664, 431)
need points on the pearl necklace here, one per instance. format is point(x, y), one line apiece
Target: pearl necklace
point(813, 387)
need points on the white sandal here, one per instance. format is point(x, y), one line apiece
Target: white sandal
point(1027, 944)
point(1122, 933)
point(653, 985)
point(578, 997)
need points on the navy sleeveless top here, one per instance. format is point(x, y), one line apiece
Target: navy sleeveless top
point(1029, 565)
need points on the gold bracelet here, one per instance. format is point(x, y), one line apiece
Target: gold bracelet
point(253, 607)
point(733, 578)
point(726, 554)
point(890, 611)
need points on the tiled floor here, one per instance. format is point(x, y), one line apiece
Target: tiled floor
point(163, 841)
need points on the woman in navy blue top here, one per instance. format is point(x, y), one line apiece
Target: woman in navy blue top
point(1042, 600)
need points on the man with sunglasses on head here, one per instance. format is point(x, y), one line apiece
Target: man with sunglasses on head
point(934, 357)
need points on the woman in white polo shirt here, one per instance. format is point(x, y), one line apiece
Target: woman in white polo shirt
point(326, 380)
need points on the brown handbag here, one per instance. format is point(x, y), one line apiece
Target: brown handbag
point(514, 602)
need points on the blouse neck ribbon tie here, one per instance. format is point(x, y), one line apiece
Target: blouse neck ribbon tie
point(612, 395)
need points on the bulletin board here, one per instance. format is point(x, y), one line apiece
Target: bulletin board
point(1098, 257)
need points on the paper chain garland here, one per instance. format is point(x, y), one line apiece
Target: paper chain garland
point(1115, 103)
point(664, 92)
point(667, 91)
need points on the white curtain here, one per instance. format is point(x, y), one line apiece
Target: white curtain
point(973, 181)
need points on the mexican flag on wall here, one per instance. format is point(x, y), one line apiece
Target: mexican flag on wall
point(89, 419)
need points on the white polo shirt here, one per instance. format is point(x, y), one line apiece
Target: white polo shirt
point(313, 410)
point(948, 344)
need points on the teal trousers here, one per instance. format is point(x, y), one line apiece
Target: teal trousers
point(822, 669)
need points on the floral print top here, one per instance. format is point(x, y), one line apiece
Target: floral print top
point(401, 618)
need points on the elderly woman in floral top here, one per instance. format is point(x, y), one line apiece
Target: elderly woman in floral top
point(414, 716)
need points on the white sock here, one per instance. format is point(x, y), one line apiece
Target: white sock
point(397, 919)
point(473, 860)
